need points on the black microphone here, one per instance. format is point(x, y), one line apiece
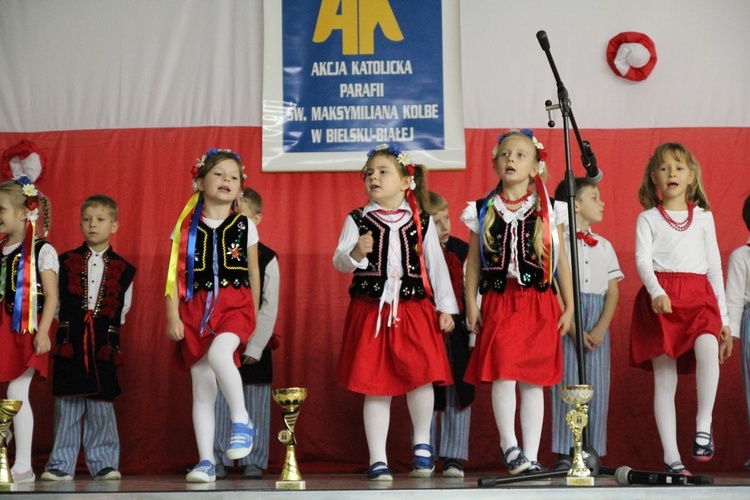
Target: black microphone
point(625, 476)
point(543, 40)
point(593, 174)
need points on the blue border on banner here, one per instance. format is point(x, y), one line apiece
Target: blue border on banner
point(358, 72)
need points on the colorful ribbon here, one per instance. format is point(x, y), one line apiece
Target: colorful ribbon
point(550, 240)
point(24, 307)
point(420, 251)
point(177, 265)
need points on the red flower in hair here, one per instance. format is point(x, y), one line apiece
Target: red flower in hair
point(542, 155)
point(32, 203)
point(410, 170)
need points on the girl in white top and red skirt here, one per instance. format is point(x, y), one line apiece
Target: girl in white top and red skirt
point(680, 322)
point(402, 298)
point(513, 249)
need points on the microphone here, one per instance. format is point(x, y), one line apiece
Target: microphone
point(543, 40)
point(593, 174)
point(625, 476)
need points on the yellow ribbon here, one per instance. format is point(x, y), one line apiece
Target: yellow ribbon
point(174, 256)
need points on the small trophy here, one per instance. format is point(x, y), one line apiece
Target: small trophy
point(8, 409)
point(577, 418)
point(290, 400)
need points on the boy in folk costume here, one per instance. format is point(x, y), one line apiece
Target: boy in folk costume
point(95, 295)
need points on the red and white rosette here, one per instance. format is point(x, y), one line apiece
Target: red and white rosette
point(631, 55)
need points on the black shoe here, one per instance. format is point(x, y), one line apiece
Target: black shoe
point(107, 474)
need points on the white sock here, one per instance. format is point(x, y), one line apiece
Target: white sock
point(23, 422)
point(706, 382)
point(221, 359)
point(665, 387)
point(532, 418)
point(504, 408)
point(377, 417)
point(421, 403)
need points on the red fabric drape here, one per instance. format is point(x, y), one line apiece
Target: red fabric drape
point(148, 172)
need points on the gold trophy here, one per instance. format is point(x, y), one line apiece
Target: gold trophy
point(577, 418)
point(290, 400)
point(8, 409)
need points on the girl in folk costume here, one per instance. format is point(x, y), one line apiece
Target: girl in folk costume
point(513, 249)
point(680, 313)
point(28, 284)
point(213, 287)
point(392, 342)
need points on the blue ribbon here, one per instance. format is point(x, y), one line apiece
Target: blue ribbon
point(213, 296)
point(190, 249)
point(18, 304)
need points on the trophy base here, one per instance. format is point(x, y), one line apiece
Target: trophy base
point(290, 485)
point(579, 481)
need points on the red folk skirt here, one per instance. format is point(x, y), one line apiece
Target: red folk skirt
point(17, 352)
point(519, 339)
point(232, 313)
point(402, 357)
point(695, 312)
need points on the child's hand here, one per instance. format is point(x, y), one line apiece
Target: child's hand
point(593, 339)
point(41, 343)
point(662, 305)
point(473, 319)
point(726, 343)
point(364, 246)
point(248, 360)
point(565, 322)
point(446, 322)
point(175, 329)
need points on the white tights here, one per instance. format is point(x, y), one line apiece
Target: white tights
point(665, 387)
point(377, 416)
point(532, 415)
point(23, 422)
point(216, 366)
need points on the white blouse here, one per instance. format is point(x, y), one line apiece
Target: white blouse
point(738, 286)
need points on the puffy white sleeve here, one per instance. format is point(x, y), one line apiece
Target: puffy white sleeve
point(437, 270)
point(48, 259)
point(561, 214)
point(470, 217)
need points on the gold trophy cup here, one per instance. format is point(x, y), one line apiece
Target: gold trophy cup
point(8, 409)
point(290, 400)
point(577, 418)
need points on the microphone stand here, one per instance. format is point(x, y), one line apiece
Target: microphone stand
point(587, 157)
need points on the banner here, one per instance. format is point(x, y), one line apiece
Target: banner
point(341, 76)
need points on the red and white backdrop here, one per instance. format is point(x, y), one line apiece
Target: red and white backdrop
point(122, 97)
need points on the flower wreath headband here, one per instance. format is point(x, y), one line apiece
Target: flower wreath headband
point(540, 152)
point(23, 162)
point(182, 256)
point(411, 171)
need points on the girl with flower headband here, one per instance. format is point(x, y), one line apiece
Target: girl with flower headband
point(213, 286)
point(513, 254)
point(28, 293)
point(401, 300)
point(680, 321)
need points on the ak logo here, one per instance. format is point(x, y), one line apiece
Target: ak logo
point(357, 20)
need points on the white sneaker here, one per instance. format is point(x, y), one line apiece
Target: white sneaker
point(56, 475)
point(203, 472)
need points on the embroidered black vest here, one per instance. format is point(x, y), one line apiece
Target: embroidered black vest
point(370, 281)
point(231, 243)
point(10, 274)
point(70, 375)
point(495, 271)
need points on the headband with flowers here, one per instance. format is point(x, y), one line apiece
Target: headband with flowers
point(401, 158)
point(31, 193)
point(541, 153)
point(213, 152)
